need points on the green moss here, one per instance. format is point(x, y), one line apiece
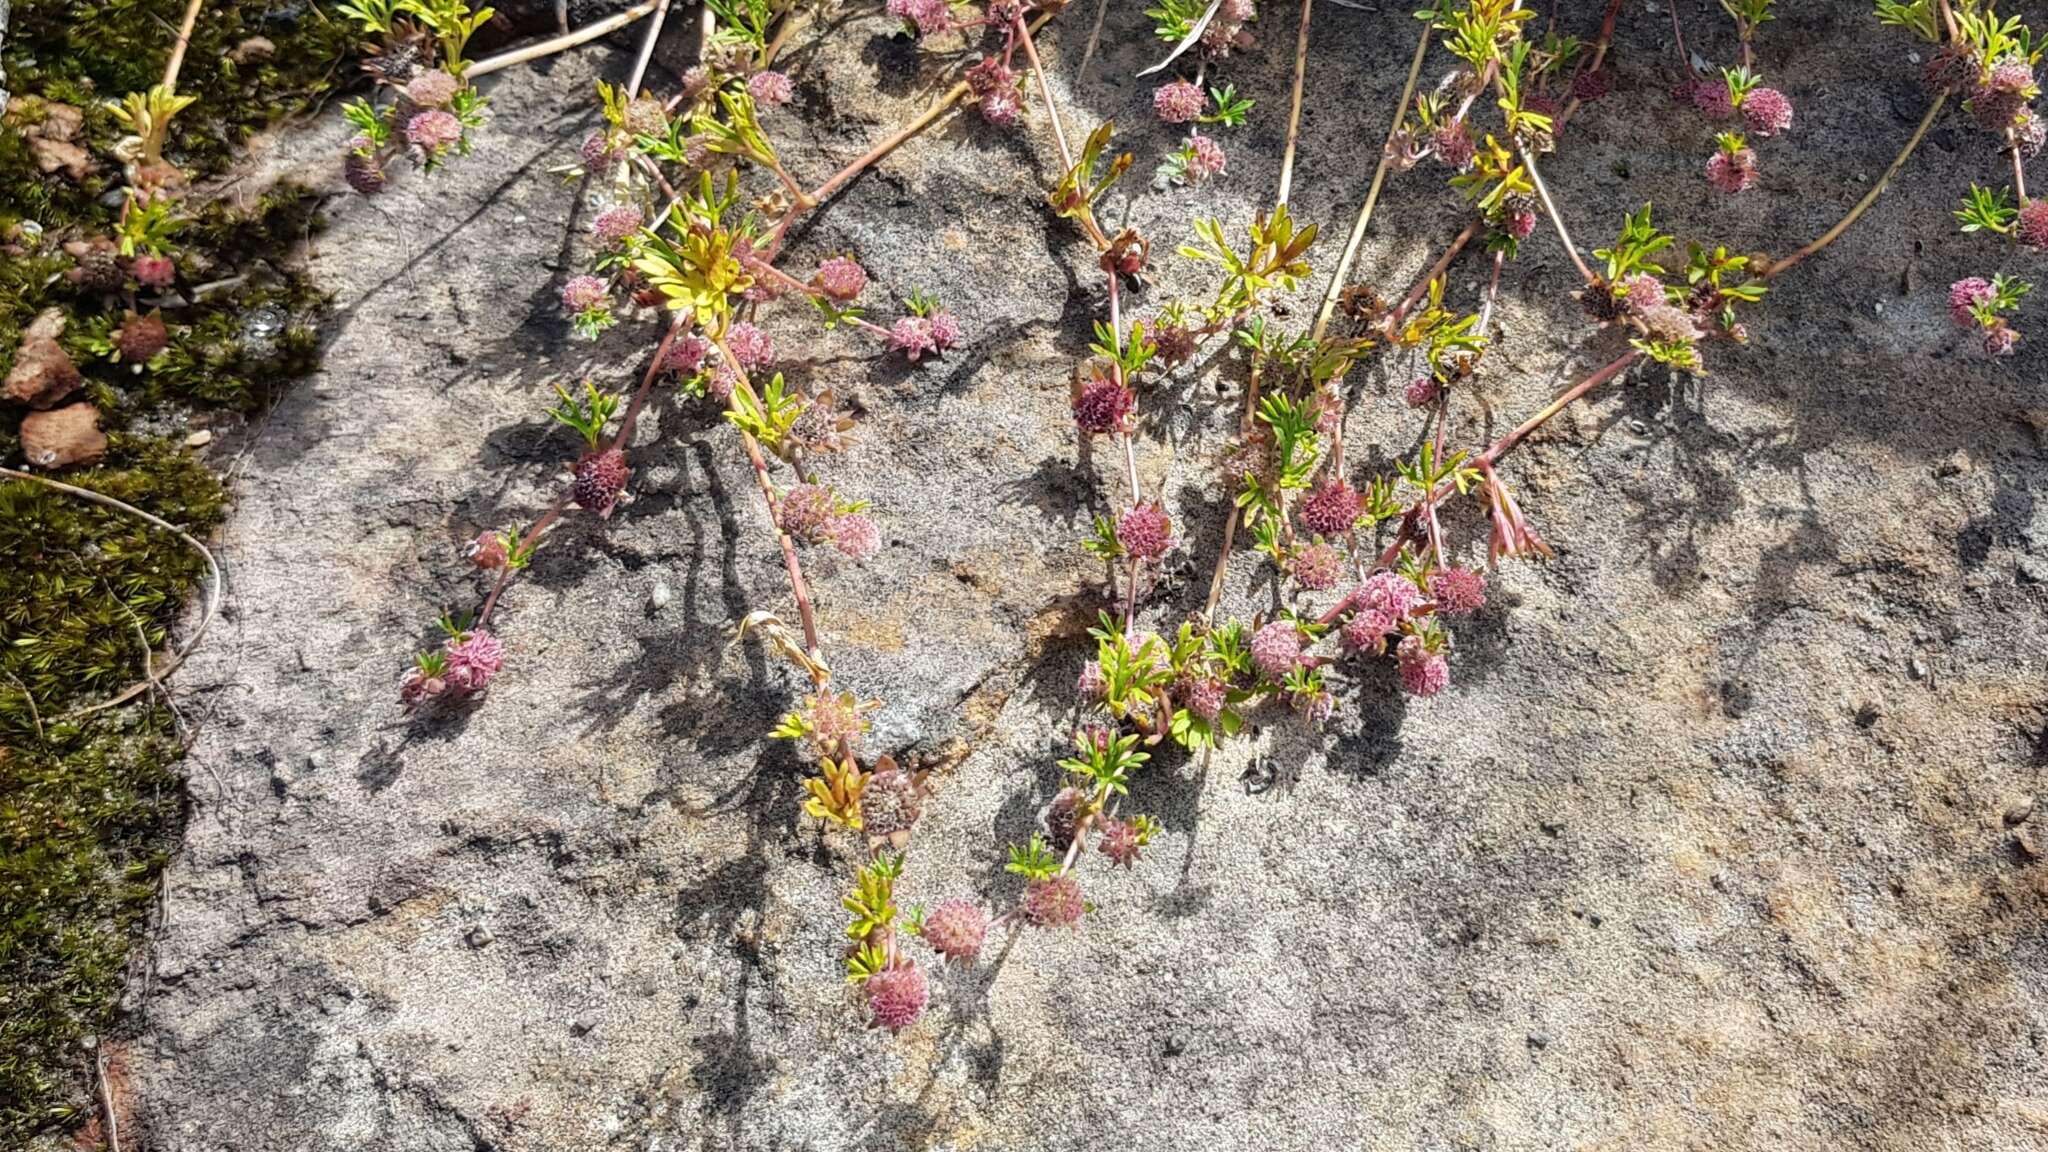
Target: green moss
point(90, 807)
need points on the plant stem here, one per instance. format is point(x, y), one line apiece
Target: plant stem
point(1556, 220)
point(1294, 111)
point(647, 47)
point(1052, 112)
point(526, 540)
point(1436, 270)
point(178, 47)
point(789, 561)
point(1678, 34)
point(1372, 195)
point(1869, 198)
point(1599, 58)
point(1506, 444)
point(563, 43)
point(2019, 165)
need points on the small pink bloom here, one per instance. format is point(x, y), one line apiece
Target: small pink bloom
point(1276, 649)
point(1767, 110)
point(583, 293)
point(1965, 295)
point(1179, 101)
point(750, 346)
point(1145, 531)
point(841, 278)
point(769, 89)
point(1205, 158)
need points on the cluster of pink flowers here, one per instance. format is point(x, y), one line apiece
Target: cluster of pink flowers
point(432, 89)
point(1103, 407)
point(1145, 531)
point(811, 513)
point(1966, 305)
point(464, 667)
point(841, 278)
point(1276, 650)
point(582, 293)
point(1332, 509)
point(750, 346)
point(924, 17)
point(1179, 101)
point(612, 226)
point(1389, 605)
point(433, 132)
point(918, 336)
point(770, 89)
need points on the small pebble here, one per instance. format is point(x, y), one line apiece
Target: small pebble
point(1917, 669)
point(199, 439)
point(479, 936)
point(661, 595)
point(2018, 811)
point(1539, 1040)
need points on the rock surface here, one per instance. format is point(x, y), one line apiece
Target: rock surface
point(67, 437)
point(43, 372)
point(1705, 848)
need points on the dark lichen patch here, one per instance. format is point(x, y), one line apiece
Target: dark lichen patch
point(91, 805)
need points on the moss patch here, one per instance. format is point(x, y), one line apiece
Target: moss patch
point(91, 807)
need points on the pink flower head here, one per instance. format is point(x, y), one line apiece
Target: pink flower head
point(2031, 229)
point(614, 224)
point(1458, 591)
point(1145, 531)
point(1204, 696)
point(1591, 85)
point(487, 551)
point(153, 271)
point(1390, 593)
point(1425, 673)
point(833, 719)
point(433, 131)
point(1767, 110)
point(1316, 567)
point(1732, 171)
point(1453, 144)
point(854, 535)
point(1119, 841)
point(896, 996)
point(2000, 339)
point(2030, 132)
point(945, 329)
point(989, 76)
point(1366, 631)
point(1001, 108)
point(1179, 101)
point(750, 346)
point(1205, 158)
point(955, 929)
point(1276, 649)
point(1965, 295)
point(362, 169)
point(1711, 97)
point(1518, 219)
point(1054, 902)
point(1091, 686)
point(598, 154)
point(841, 278)
point(418, 686)
point(1421, 392)
point(1642, 292)
point(1332, 509)
point(1103, 406)
point(474, 660)
point(928, 17)
point(912, 336)
point(804, 509)
point(600, 478)
point(432, 89)
point(769, 89)
point(583, 293)
point(686, 356)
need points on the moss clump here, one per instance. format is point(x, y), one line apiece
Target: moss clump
point(90, 806)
